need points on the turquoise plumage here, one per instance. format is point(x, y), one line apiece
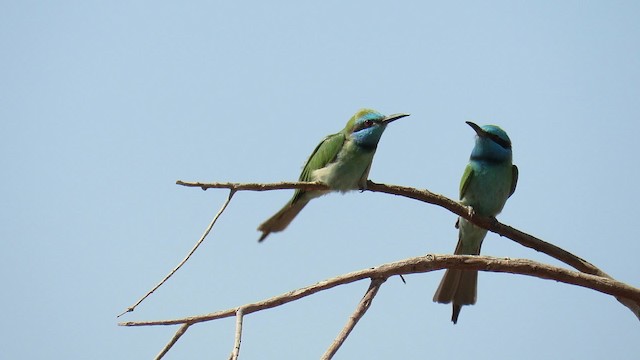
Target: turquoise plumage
point(488, 181)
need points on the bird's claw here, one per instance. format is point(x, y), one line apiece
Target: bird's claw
point(362, 187)
point(470, 211)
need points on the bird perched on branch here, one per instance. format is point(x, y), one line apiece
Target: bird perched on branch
point(488, 181)
point(342, 161)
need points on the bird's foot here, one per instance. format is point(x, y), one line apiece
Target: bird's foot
point(470, 211)
point(362, 186)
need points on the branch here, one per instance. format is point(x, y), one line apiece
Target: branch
point(285, 185)
point(195, 247)
point(362, 308)
point(174, 339)
point(589, 275)
point(489, 223)
point(236, 346)
point(423, 264)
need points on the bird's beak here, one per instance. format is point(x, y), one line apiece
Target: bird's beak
point(393, 117)
point(476, 128)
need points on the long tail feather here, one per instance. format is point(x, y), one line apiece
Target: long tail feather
point(281, 219)
point(458, 287)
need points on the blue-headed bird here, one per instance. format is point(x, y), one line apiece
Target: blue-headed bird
point(341, 161)
point(488, 181)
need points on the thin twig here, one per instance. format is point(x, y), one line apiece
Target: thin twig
point(238, 338)
point(285, 185)
point(423, 264)
point(172, 342)
point(486, 222)
point(362, 308)
point(195, 247)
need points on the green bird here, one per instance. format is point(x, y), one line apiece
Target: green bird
point(342, 161)
point(488, 181)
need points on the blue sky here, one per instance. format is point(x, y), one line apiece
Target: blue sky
point(104, 105)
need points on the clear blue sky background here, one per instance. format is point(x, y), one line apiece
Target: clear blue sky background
point(104, 105)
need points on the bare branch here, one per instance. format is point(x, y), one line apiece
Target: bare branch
point(174, 339)
point(423, 264)
point(589, 275)
point(486, 222)
point(238, 338)
point(362, 308)
point(195, 247)
point(490, 224)
point(285, 185)
point(497, 227)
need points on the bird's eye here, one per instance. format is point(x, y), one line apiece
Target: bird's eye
point(364, 125)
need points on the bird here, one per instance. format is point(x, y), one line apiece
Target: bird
point(489, 179)
point(341, 161)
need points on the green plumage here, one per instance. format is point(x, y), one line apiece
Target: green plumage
point(342, 161)
point(326, 152)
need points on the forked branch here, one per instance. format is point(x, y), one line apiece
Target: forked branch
point(414, 265)
point(455, 207)
point(589, 276)
point(423, 264)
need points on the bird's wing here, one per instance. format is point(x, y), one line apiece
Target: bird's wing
point(466, 179)
point(514, 179)
point(323, 154)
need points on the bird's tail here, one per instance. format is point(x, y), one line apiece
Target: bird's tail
point(282, 218)
point(457, 286)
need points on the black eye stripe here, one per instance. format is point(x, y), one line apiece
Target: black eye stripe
point(366, 124)
point(500, 141)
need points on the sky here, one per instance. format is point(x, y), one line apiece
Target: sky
point(104, 105)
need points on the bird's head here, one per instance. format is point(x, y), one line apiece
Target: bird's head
point(366, 126)
point(492, 143)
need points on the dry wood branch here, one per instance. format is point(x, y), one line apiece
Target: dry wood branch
point(173, 341)
point(486, 222)
point(195, 247)
point(489, 223)
point(423, 264)
point(509, 232)
point(285, 185)
point(362, 308)
point(238, 338)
